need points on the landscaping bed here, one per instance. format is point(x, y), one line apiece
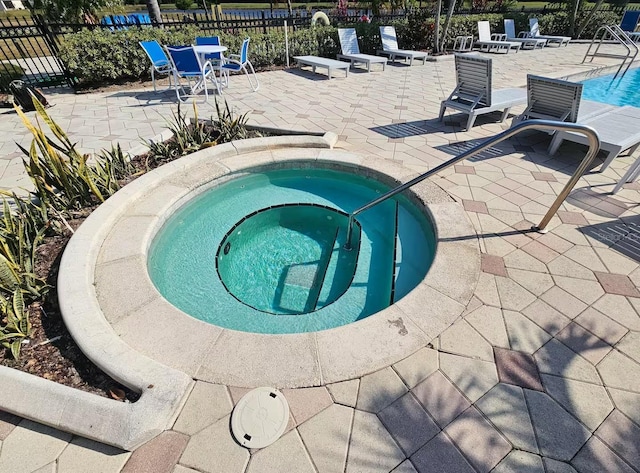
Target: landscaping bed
point(46, 349)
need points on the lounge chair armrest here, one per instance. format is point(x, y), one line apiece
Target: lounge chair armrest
point(498, 37)
point(524, 34)
point(236, 56)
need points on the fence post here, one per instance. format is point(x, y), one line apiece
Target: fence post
point(286, 41)
point(264, 23)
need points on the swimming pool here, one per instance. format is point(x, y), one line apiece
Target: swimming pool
point(621, 91)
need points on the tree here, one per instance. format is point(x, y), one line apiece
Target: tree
point(72, 11)
point(440, 35)
point(154, 11)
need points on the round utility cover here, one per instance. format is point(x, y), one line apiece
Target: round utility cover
point(259, 419)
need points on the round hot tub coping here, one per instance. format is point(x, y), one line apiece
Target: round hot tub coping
point(148, 323)
point(134, 335)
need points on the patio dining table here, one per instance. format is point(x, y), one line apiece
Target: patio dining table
point(205, 49)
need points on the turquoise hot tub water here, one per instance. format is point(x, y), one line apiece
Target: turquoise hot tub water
point(621, 91)
point(265, 252)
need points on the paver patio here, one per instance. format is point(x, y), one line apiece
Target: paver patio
point(540, 374)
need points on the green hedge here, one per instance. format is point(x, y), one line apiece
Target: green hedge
point(103, 56)
point(419, 31)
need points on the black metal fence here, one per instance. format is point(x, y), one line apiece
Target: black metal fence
point(29, 46)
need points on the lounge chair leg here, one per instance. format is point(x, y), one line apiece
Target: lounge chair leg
point(505, 113)
point(610, 157)
point(629, 176)
point(470, 121)
point(443, 107)
point(556, 141)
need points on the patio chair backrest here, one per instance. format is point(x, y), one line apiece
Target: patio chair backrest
point(388, 37)
point(534, 29)
point(184, 59)
point(155, 52)
point(244, 51)
point(553, 98)
point(630, 20)
point(484, 31)
point(348, 41)
point(209, 41)
point(509, 28)
point(473, 76)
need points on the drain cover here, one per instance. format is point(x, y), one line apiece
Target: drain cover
point(259, 419)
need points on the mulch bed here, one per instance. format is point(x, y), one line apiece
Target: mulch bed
point(51, 352)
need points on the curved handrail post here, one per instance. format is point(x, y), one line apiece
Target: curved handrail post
point(544, 125)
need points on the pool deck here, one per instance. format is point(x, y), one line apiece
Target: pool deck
point(541, 373)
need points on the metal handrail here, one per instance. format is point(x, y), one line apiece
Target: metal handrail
point(622, 38)
point(544, 125)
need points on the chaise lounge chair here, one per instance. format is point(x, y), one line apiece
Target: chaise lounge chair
point(473, 94)
point(527, 43)
point(534, 32)
point(551, 99)
point(351, 50)
point(390, 47)
point(488, 42)
point(618, 129)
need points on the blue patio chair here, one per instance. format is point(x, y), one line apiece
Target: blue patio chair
point(238, 63)
point(187, 65)
point(160, 63)
point(139, 19)
point(108, 21)
point(629, 21)
point(121, 22)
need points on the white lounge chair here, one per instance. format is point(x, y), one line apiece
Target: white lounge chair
point(473, 94)
point(551, 99)
point(488, 42)
point(534, 32)
point(322, 62)
point(390, 47)
point(527, 43)
point(351, 50)
point(618, 129)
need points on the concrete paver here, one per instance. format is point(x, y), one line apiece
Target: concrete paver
point(160, 454)
point(595, 457)
point(18, 453)
point(457, 369)
point(408, 423)
point(286, 454)
point(559, 435)
point(83, 454)
point(543, 282)
point(326, 438)
point(372, 449)
point(206, 404)
point(521, 462)
point(440, 456)
point(379, 389)
point(478, 440)
point(345, 392)
point(506, 408)
point(417, 367)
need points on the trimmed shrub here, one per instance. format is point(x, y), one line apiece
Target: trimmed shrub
point(104, 56)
